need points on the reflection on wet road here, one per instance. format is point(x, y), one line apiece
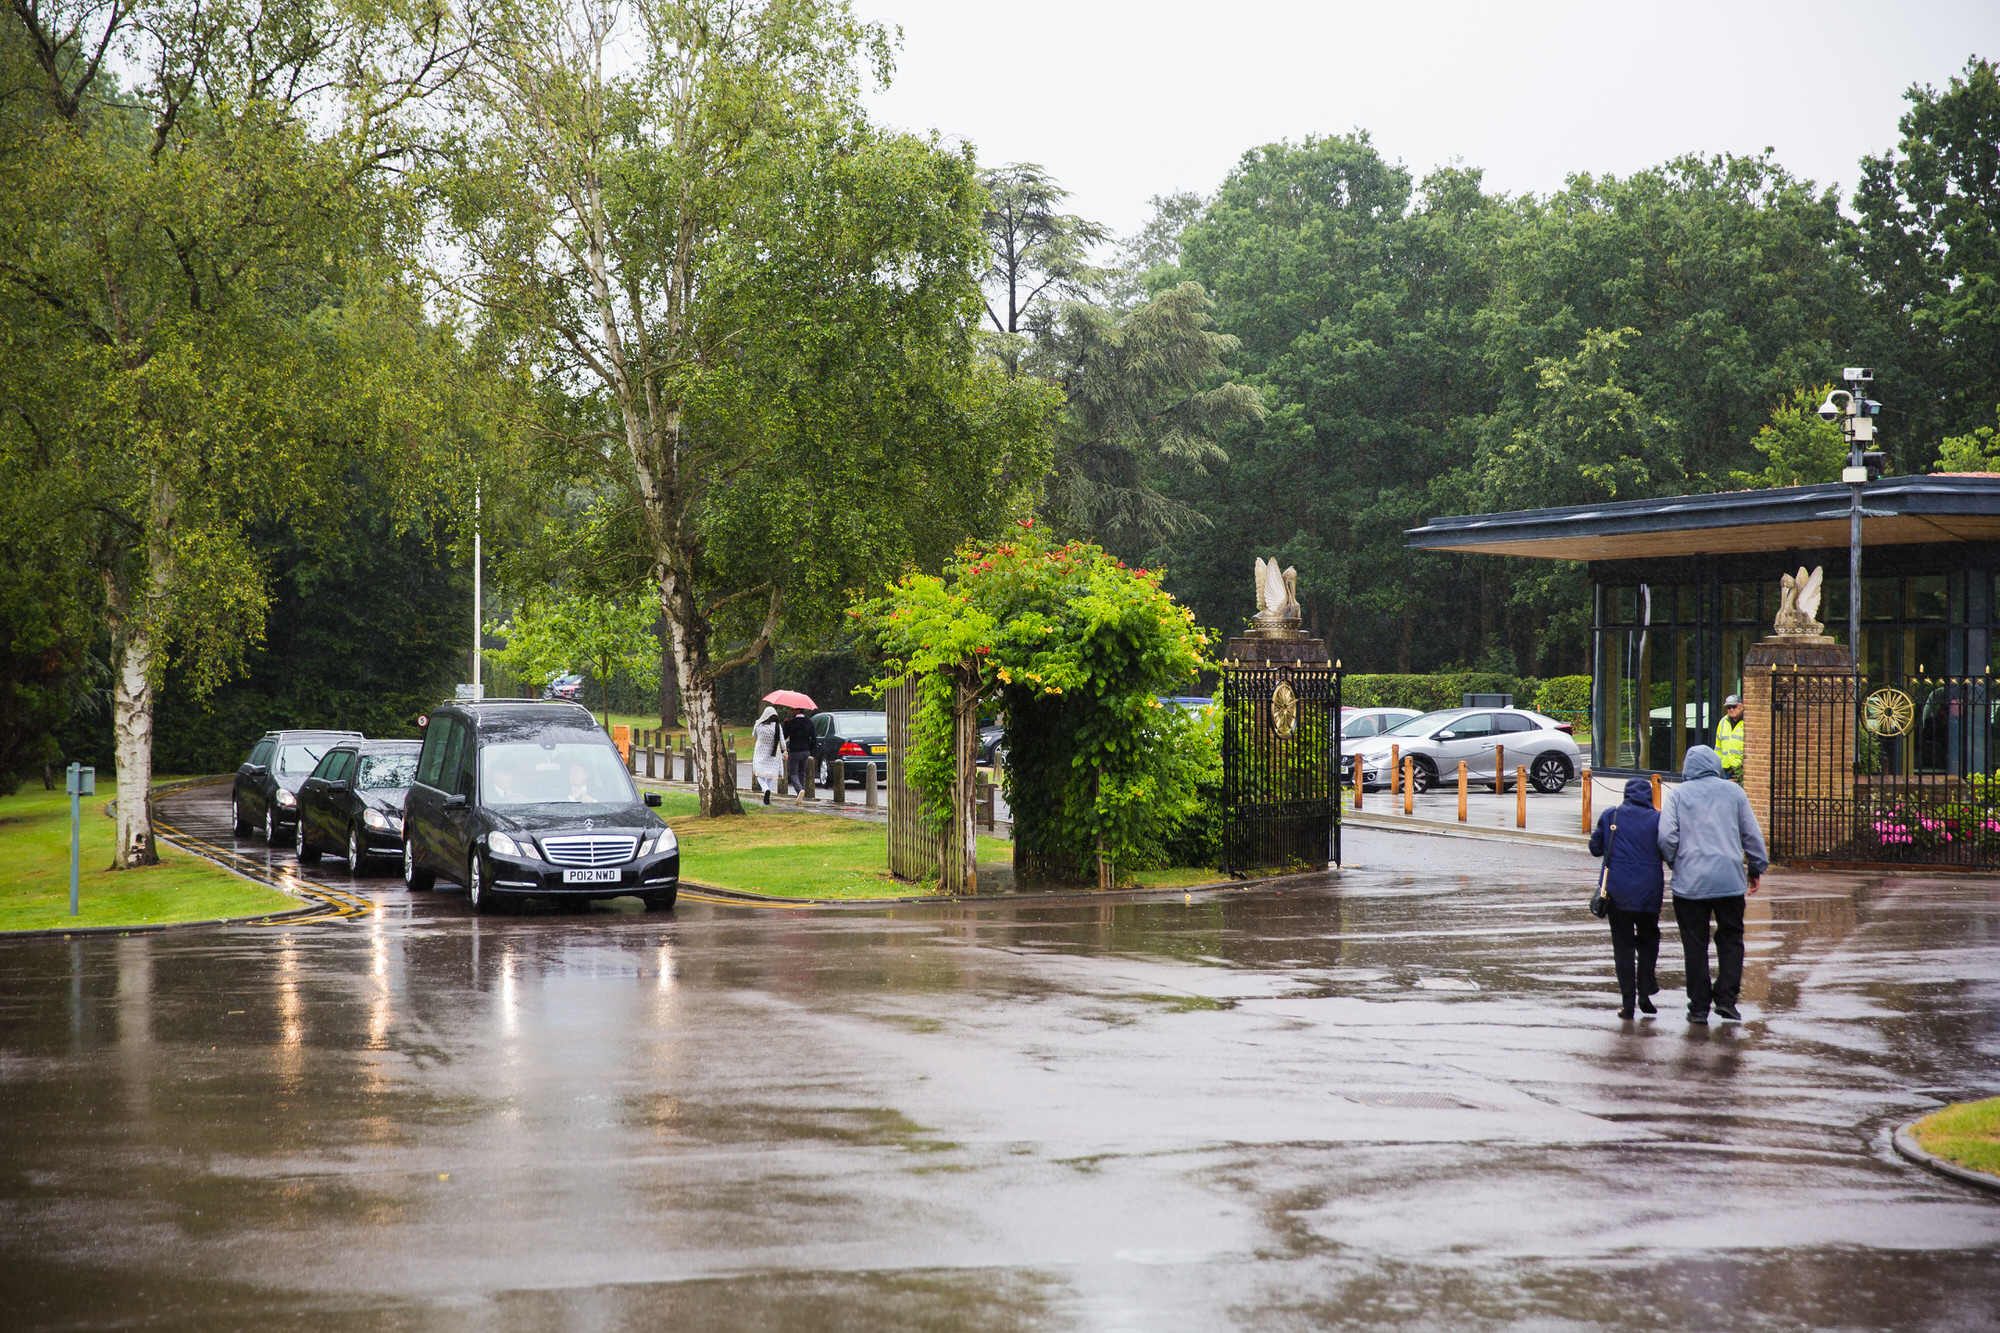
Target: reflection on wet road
point(1395, 1096)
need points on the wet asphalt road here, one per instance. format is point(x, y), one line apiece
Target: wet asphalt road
point(1391, 1097)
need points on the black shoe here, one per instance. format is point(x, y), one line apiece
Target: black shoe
point(1728, 1010)
point(1625, 1012)
point(1646, 1005)
point(1694, 1017)
point(767, 798)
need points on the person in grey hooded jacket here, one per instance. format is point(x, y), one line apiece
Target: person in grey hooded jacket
point(1710, 837)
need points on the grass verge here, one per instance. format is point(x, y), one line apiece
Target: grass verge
point(34, 874)
point(793, 854)
point(1967, 1135)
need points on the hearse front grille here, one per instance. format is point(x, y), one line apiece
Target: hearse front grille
point(590, 849)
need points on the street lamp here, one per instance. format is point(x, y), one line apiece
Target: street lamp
point(1856, 413)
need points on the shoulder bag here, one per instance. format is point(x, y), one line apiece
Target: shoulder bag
point(1600, 902)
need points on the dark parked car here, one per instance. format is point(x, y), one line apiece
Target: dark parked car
point(856, 739)
point(992, 744)
point(265, 797)
point(352, 805)
point(520, 798)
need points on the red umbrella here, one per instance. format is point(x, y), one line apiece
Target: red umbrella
point(789, 699)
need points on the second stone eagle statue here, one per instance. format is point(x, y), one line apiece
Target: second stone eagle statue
point(1277, 598)
point(1798, 604)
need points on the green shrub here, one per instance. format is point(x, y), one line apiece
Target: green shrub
point(1560, 695)
point(1429, 693)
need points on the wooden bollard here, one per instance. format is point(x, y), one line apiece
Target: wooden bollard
point(1520, 797)
point(811, 792)
point(868, 786)
point(1462, 774)
point(1658, 803)
point(687, 763)
point(1357, 782)
point(1586, 801)
point(1395, 770)
point(735, 768)
point(836, 776)
point(1409, 786)
point(1499, 769)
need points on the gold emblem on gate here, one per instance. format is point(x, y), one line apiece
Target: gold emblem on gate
point(1888, 713)
point(1284, 710)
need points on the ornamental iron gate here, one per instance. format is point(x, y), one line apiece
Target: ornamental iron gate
point(1871, 773)
point(1280, 766)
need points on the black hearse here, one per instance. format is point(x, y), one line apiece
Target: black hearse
point(525, 798)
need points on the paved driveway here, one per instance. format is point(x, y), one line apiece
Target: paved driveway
point(1396, 1096)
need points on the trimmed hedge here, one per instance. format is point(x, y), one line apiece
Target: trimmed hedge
point(1561, 695)
point(1430, 693)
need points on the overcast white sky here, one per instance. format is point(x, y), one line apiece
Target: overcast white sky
point(1122, 101)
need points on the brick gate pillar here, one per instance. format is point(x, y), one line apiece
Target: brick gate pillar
point(1810, 751)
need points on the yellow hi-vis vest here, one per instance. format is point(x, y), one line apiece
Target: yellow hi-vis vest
point(1729, 743)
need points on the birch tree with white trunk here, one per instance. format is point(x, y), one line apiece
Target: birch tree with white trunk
point(749, 311)
point(196, 203)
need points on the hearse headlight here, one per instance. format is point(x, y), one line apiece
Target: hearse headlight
point(501, 843)
point(285, 798)
point(376, 819)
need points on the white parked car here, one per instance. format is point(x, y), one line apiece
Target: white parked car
point(1359, 723)
point(1440, 741)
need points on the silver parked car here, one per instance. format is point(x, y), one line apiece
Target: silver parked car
point(1439, 742)
point(1360, 723)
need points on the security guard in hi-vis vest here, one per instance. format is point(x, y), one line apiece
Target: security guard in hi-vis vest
point(1729, 738)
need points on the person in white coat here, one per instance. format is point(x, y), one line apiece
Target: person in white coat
point(767, 754)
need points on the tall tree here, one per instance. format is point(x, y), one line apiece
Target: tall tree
point(1038, 257)
point(1144, 395)
point(200, 330)
point(752, 311)
point(1929, 237)
point(1357, 301)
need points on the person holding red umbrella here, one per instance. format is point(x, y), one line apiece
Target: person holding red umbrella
point(798, 731)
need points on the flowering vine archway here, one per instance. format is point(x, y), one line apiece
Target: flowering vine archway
point(1074, 648)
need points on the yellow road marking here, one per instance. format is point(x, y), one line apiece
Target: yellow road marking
point(340, 903)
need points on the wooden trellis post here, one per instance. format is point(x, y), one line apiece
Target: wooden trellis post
point(916, 851)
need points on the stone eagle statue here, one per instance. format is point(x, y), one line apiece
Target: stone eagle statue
point(1277, 593)
point(1798, 602)
point(1277, 601)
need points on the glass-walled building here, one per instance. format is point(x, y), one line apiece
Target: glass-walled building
point(1684, 585)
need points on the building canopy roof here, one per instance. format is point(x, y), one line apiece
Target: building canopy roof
point(1953, 507)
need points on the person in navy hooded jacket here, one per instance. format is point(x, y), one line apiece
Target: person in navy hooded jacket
point(1627, 837)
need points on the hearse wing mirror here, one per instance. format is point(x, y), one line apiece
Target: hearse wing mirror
point(652, 798)
point(455, 801)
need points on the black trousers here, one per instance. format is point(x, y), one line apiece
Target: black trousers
point(797, 764)
point(1693, 915)
point(1635, 951)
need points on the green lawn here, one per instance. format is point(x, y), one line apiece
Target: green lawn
point(1967, 1134)
point(34, 884)
point(794, 854)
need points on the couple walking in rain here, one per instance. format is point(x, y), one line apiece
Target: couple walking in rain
point(781, 750)
point(1708, 834)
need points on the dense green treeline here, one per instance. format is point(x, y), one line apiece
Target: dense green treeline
point(1428, 347)
point(700, 333)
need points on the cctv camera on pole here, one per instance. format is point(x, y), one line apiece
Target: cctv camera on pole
point(1856, 412)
